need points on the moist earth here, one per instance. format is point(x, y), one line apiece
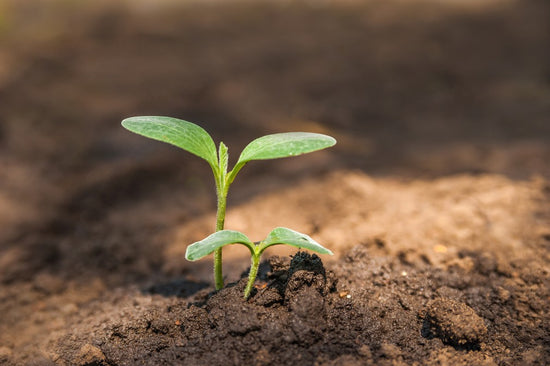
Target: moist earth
point(393, 313)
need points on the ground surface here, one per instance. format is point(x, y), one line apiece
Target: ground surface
point(436, 200)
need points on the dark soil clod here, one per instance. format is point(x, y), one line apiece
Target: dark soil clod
point(306, 270)
point(455, 323)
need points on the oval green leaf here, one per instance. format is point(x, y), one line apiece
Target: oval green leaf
point(215, 241)
point(180, 133)
point(282, 235)
point(282, 145)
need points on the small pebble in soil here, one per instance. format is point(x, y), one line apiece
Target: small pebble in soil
point(455, 323)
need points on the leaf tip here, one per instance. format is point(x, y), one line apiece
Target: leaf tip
point(189, 255)
point(128, 122)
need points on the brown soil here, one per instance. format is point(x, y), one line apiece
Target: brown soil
point(436, 200)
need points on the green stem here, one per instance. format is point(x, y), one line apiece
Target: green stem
point(252, 275)
point(220, 222)
point(223, 181)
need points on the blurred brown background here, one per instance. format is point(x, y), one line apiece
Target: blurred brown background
point(411, 89)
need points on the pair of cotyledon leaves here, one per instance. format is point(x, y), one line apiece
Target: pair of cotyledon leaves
point(194, 139)
point(278, 235)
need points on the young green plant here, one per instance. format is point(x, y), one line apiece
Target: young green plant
point(277, 236)
point(194, 139)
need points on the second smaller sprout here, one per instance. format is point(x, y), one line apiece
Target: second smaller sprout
point(277, 236)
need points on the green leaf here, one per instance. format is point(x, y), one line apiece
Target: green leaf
point(180, 133)
point(215, 241)
point(282, 235)
point(282, 145)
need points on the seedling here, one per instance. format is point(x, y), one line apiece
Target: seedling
point(196, 140)
point(279, 235)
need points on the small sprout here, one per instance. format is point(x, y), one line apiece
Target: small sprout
point(277, 236)
point(194, 139)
